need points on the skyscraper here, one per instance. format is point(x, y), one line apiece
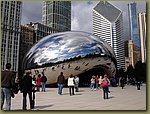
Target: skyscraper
point(134, 34)
point(142, 28)
point(134, 31)
point(57, 14)
point(108, 25)
point(10, 28)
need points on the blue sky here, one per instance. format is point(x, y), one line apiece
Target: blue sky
point(81, 17)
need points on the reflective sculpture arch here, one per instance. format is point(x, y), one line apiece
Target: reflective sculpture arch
point(72, 52)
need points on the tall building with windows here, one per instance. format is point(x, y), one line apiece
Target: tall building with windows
point(57, 14)
point(26, 42)
point(10, 29)
point(133, 20)
point(108, 25)
point(42, 31)
point(134, 31)
point(142, 28)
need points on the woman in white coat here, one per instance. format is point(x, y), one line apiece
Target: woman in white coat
point(71, 84)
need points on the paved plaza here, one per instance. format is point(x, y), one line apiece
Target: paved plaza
point(128, 98)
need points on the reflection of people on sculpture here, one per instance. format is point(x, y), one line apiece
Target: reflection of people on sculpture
point(87, 64)
point(53, 68)
point(68, 65)
point(62, 67)
point(77, 68)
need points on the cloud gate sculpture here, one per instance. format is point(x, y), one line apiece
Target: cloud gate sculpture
point(70, 52)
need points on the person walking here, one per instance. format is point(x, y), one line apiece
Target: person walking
point(71, 84)
point(27, 89)
point(60, 82)
point(43, 82)
point(7, 82)
point(105, 83)
point(76, 84)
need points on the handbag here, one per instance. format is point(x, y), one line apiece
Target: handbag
point(104, 84)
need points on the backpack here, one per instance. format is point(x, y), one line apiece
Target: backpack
point(43, 79)
point(104, 83)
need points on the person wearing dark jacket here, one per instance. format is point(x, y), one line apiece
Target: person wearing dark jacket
point(43, 82)
point(60, 82)
point(27, 89)
point(7, 82)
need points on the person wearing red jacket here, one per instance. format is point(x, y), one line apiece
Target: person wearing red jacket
point(38, 82)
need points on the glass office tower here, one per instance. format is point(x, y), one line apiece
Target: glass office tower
point(57, 14)
point(134, 24)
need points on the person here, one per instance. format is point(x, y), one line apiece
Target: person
point(76, 84)
point(7, 82)
point(122, 82)
point(33, 90)
point(71, 84)
point(138, 84)
point(105, 88)
point(27, 89)
point(38, 82)
point(100, 81)
point(43, 82)
point(92, 83)
point(60, 82)
point(97, 81)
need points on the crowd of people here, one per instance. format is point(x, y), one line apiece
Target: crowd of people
point(32, 84)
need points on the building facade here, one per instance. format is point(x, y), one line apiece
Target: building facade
point(133, 20)
point(10, 29)
point(26, 42)
point(134, 32)
point(42, 31)
point(133, 54)
point(57, 14)
point(142, 29)
point(108, 25)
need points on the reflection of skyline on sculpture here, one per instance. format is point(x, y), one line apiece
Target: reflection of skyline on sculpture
point(68, 47)
point(60, 46)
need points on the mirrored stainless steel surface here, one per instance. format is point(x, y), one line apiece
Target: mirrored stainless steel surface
point(66, 52)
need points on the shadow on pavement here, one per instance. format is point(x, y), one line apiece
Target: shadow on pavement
point(43, 106)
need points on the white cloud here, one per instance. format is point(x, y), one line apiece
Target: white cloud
point(74, 24)
point(82, 16)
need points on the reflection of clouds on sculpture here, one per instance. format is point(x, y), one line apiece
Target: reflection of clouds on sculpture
point(71, 53)
point(66, 45)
